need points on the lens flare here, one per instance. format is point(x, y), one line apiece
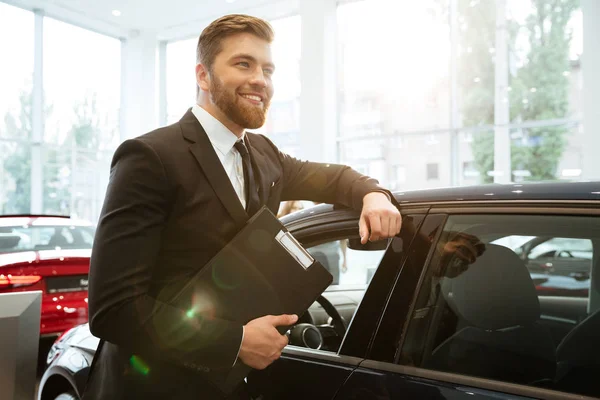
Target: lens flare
point(139, 365)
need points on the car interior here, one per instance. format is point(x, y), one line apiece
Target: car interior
point(491, 320)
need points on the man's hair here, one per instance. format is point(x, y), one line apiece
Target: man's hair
point(209, 43)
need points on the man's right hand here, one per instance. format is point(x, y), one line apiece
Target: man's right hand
point(262, 343)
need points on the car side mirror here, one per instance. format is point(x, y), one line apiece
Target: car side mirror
point(355, 244)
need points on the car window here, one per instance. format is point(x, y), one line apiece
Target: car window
point(27, 238)
point(558, 266)
point(480, 311)
point(352, 267)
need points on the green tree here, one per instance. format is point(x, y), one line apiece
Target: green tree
point(540, 89)
point(539, 86)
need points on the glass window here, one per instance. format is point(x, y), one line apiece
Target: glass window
point(82, 84)
point(540, 84)
point(559, 266)
point(488, 309)
point(181, 77)
point(390, 83)
point(413, 91)
point(16, 76)
point(350, 267)
point(283, 121)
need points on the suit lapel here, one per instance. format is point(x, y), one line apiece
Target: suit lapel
point(203, 151)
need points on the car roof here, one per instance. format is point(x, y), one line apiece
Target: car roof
point(551, 191)
point(40, 220)
point(554, 191)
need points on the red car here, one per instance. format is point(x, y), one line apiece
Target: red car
point(51, 254)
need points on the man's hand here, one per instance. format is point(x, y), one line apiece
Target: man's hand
point(262, 342)
point(379, 218)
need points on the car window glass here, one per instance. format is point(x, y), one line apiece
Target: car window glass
point(485, 309)
point(27, 238)
point(350, 267)
point(558, 266)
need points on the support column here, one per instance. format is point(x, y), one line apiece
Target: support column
point(454, 111)
point(502, 163)
point(138, 98)
point(37, 116)
point(591, 88)
point(318, 76)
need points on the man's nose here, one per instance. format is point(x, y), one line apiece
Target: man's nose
point(258, 78)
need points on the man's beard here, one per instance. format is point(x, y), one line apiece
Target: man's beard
point(244, 115)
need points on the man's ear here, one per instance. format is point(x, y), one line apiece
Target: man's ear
point(202, 77)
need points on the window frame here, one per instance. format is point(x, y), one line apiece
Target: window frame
point(447, 209)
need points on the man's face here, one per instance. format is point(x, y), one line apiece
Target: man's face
point(239, 84)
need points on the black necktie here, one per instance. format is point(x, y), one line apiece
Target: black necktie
point(252, 200)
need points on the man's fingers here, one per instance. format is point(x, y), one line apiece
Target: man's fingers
point(392, 228)
point(375, 223)
point(398, 223)
point(363, 229)
point(283, 320)
point(385, 227)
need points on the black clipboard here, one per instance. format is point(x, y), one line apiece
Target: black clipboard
point(262, 271)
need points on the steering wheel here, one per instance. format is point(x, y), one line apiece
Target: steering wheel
point(338, 324)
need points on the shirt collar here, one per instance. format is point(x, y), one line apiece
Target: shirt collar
point(218, 134)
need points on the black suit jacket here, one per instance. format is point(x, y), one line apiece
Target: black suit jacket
point(169, 208)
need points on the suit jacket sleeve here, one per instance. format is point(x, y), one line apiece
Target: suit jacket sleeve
point(325, 183)
point(126, 245)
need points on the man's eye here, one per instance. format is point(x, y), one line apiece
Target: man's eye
point(244, 64)
point(268, 72)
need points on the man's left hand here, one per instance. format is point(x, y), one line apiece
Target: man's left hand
point(379, 218)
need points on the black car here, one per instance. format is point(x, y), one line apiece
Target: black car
point(448, 309)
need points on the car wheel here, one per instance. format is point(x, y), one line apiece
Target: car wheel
point(67, 396)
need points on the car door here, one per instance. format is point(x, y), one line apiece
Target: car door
point(476, 327)
point(319, 373)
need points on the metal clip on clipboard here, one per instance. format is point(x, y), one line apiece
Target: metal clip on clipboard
point(291, 245)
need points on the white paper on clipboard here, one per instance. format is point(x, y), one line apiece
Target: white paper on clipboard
point(292, 246)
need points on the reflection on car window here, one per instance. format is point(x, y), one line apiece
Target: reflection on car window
point(14, 239)
point(488, 308)
point(558, 266)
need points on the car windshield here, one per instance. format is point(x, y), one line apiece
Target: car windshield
point(15, 239)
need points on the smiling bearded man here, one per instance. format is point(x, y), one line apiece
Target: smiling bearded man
point(176, 197)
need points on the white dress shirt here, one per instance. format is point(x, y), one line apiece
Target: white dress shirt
point(223, 140)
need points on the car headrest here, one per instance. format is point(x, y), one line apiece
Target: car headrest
point(9, 241)
point(495, 292)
